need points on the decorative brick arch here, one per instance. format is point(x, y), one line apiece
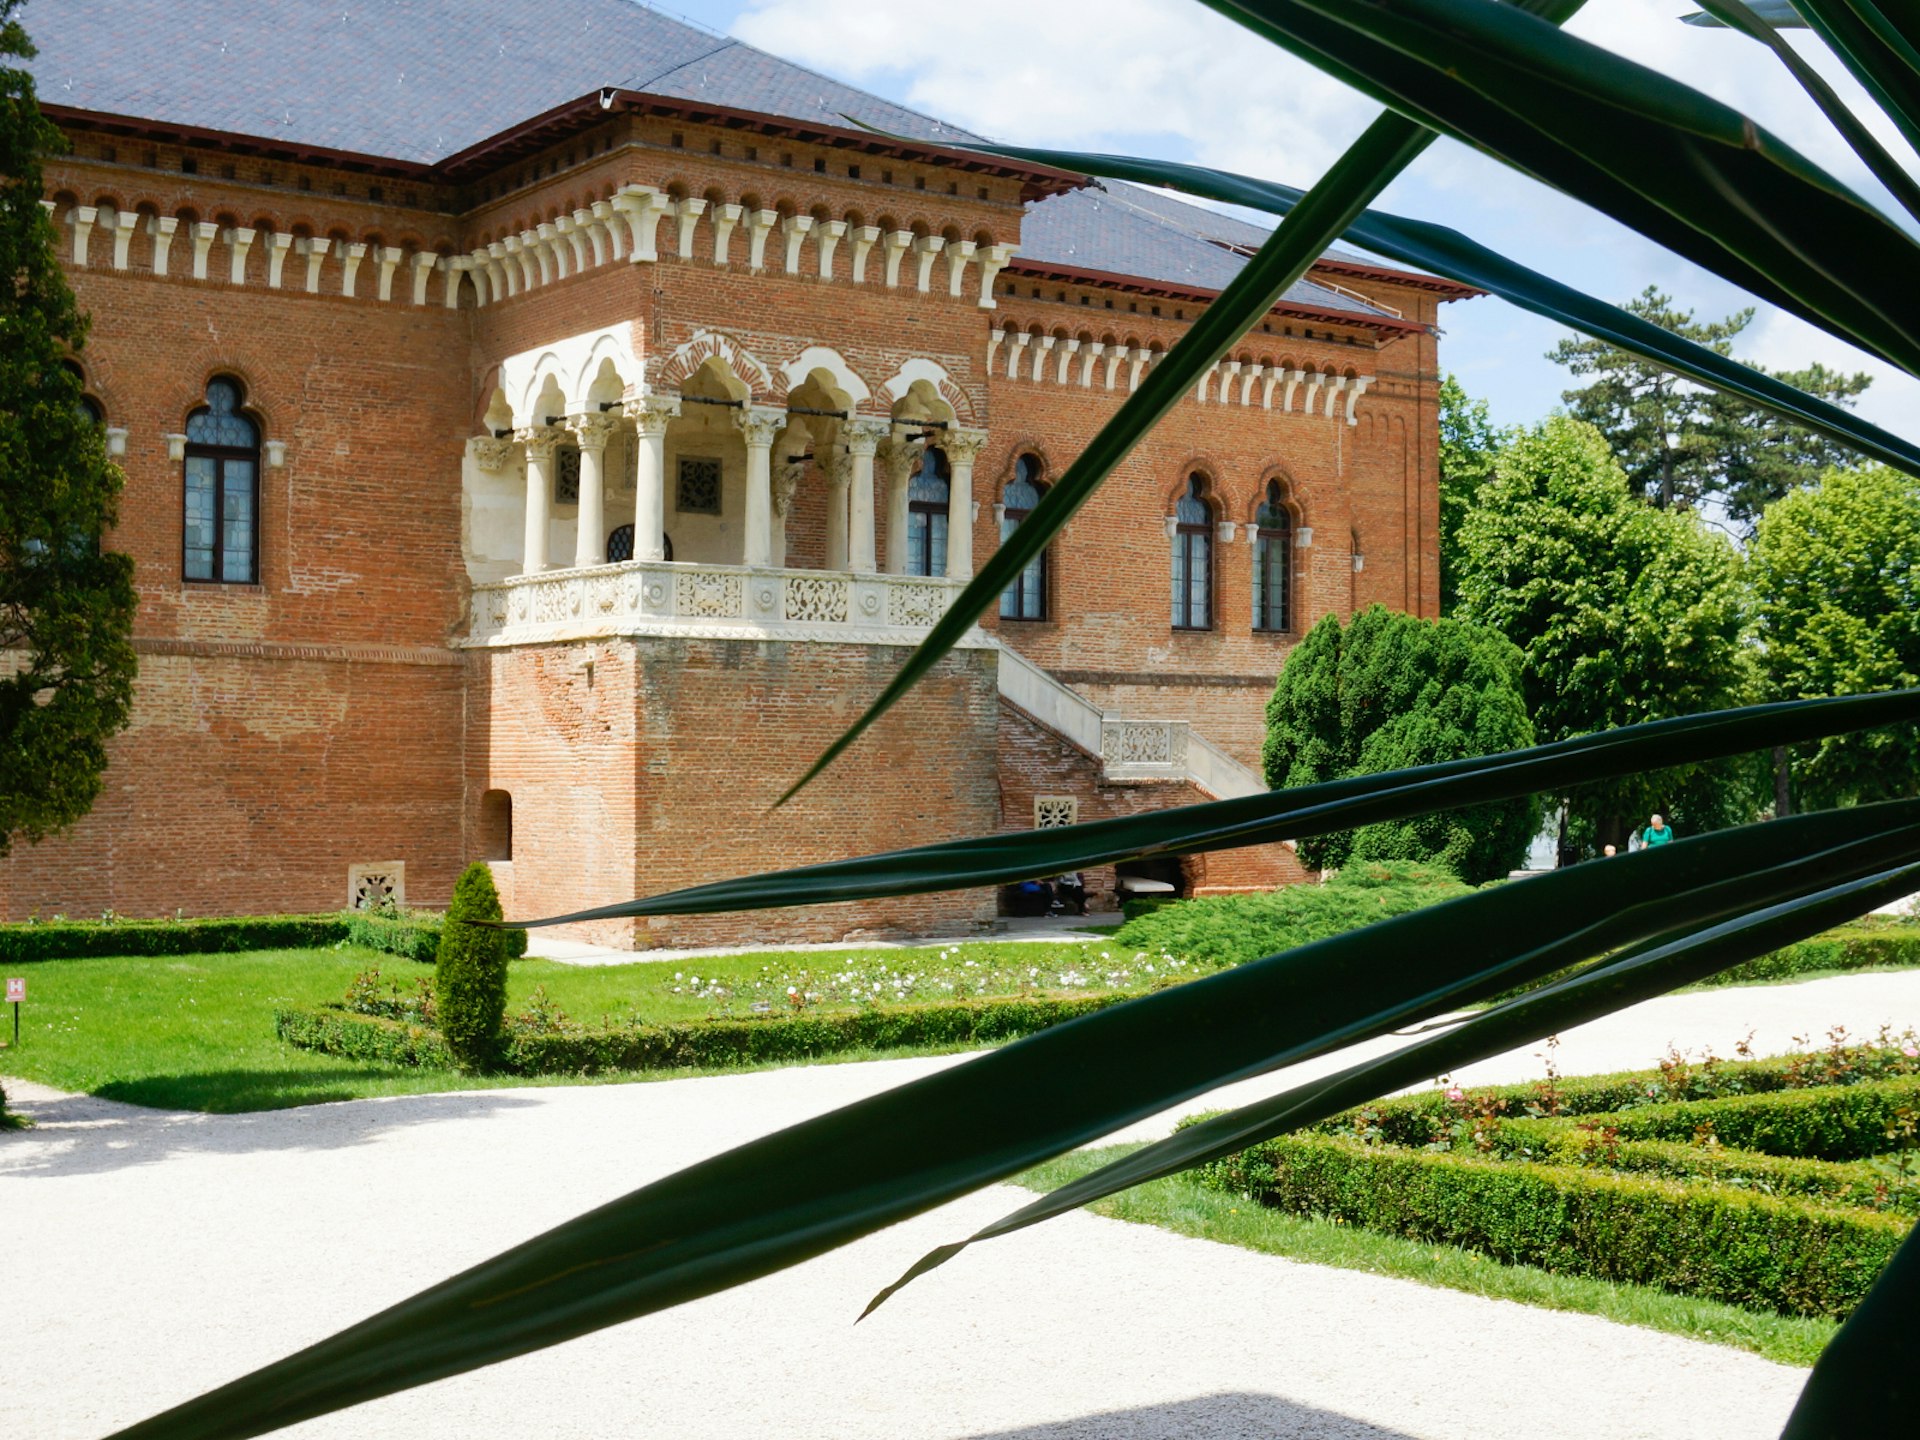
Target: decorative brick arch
point(762, 383)
point(1050, 469)
point(894, 390)
point(1216, 473)
point(1297, 497)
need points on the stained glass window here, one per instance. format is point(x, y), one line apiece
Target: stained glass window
point(1273, 563)
point(927, 496)
point(220, 516)
point(1026, 598)
point(1193, 558)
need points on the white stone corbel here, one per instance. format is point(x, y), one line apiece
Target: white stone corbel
point(161, 228)
point(1173, 526)
point(423, 263)
point(390, 257)
point(609, 220)
point(993, 259)
point(239, 241)
point(553, 245)
point(116, 440)
point(827, 236)
point(204, 232)
point(1268, 385)
point(1230, 374)
point(276, 453)
point(642, 205)
point(1226, 530)
point(279, 242)
point(725, 217)
point(925, 248)
point(521, 273)
point(897, 243)
point(1094, 350)
point(176, 446)
point(1114, 358)
point(1361, 384)
point(457, 266)
point(686, 215)
point(1253, 373)
point(1137, 362)
point(1336, 386)
point(584, 224)
point(958, 254)
point(576, 242)
point(795, 228)
point(505, 254)
point(534, 257)
point(1294, 377)
point(864, 239)
point(314, 247)
point(1064, 376)
point(487, 262)
point(1040, 354)
point(1303, 538)
point(760, 224)
point(83, 218)
point(350, 266)
point(995, 339)
point(1021, 339)
point(1315, 379)
point(1359, 562)
point(1200, 390)
point(123, 223)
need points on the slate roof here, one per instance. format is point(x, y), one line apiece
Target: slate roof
point(422, 80)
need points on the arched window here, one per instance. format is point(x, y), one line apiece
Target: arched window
point(221, 535)
point(1193, 558)
point(1273, 563)
point(927, 494)
point(496, 825)
point(1026, 598)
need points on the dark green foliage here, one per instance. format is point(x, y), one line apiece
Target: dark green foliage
point(1836, 579)
point(1226, 930)
point(413, 934)
point(77, 939)
point(1850, 1122)
point(1889, 945)
point(1680, 442)
point(1390, 692)
point(566, 1049)
point(1717, 1242)
point(1469, 445)
point(66, 607)
point(470, 993)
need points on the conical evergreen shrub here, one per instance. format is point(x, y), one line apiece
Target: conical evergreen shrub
point(470, 977)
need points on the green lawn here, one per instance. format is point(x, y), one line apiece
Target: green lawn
point(196, 1032)
point(1182, 1205)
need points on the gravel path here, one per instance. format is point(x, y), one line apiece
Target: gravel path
point(150, 1255)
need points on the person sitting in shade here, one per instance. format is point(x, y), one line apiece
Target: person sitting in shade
point(1609, 852)
point(1658, 832)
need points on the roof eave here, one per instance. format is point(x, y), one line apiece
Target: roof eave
point(199, 137)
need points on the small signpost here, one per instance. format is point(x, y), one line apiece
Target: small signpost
point(16, 995)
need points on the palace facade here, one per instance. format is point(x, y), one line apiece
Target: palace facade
point(547, 426)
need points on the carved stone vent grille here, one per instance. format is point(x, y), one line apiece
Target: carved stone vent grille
point(915, 604)
point(1143, 742)
point(566, 475)
point(713, 597)
point(698, 491)
point(825, 598)
point(1050, 812)
point(375, 885)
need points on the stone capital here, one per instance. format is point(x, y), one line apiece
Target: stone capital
point(863, 437)
point(838, 468)
point(592, 430)
point(489, 453)
point(963, 447)
point(759, 424)
point(651, 413)
point(541, 440)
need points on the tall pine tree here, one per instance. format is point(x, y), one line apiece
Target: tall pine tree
point(66, 605)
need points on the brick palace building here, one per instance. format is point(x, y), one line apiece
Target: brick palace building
point(546, 425)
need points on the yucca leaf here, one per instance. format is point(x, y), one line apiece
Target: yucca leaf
point(1885, 168)
point(1880, 44)
point(1808, 902)
point(1385, 149)
point(1778, 13)
point(1683, 169)
point(794, 1194)
point(1281, 814)
point(1865, 1381)
point(1447, 252)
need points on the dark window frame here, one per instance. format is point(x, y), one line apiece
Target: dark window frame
point(1271, 539)
point(920, 538)
point(1017, 593)
point(221, 455)
point(1193, 537)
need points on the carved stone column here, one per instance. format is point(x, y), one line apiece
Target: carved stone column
point(838, 468)
point(963, 447)
point(896, 464)
point(592, 431)
point(540, 441)
point(759, 425)
point(789, 465)
point(650, 415)
point(863, 439)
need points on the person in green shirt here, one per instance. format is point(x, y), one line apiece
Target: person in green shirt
point(1657, 833)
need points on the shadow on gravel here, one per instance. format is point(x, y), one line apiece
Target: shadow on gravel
point(1234, 1415)
point(94, 1134)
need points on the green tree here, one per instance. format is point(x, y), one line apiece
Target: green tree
point(1469, 445)
point(1836, 580)
point(1623, 612)
point(470, 975)
point(1677, 440)
point(1388, 692)
point(66, 607)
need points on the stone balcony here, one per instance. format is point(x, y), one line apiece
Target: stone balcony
point(726, 602)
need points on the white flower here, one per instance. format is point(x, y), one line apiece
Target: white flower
point(792, 991)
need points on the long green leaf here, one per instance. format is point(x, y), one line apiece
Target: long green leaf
point(1885, 168)
point(1865, 1382)
point(1684, 170)
point(1808, 902)
point(830, 1180)
point(1881, 46)
point(1448, 252)
point(1778, 13)
point(1386, 148)
point(1281, 814)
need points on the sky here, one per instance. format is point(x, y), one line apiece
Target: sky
point(1172, 80)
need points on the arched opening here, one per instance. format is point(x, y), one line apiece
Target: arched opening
point(1026, 598)
point(496, 826)
point(1193, 557)
point(1273, 563)
point(220, 536)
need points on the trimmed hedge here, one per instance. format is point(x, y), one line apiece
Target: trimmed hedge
point(89, 939)
point(1844, 949)
point(1714, 1242)
point(413, 934)
point(705, 1043)
point(1853, 1122)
